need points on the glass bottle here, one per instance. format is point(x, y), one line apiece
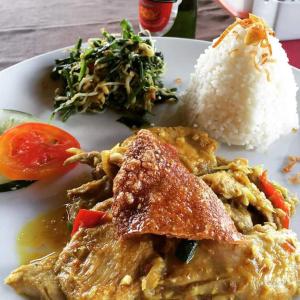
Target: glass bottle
point(185, 22)
point(168, 17)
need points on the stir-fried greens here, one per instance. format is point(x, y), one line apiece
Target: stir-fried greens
point(122, 73)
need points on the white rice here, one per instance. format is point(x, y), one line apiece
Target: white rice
point(236, 103)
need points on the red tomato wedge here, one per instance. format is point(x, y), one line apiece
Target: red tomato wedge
point(33, 151)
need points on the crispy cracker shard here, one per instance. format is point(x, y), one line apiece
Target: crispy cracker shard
point(154, 193)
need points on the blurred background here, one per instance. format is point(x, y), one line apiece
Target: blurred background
point(32, 27)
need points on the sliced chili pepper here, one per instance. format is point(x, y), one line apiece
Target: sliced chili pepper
point(88, 219)
point(275, 197)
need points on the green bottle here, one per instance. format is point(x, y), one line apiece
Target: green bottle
point(175, 18)
point(185, 22)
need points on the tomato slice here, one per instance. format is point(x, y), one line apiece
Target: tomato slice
point(33, 151)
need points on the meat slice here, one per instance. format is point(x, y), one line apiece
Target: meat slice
point(264, 267)
point(37, 279)
point(154, 193)
point(97, 265)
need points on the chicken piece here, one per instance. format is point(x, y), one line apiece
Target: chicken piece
point(226, 185)
point(37, 279)
point(88, 195)
point(265, 266)
point(154, 193)
point(97, 265)
point(195, 148)
point(240, 216)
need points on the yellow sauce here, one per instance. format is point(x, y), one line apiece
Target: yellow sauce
point(43, 235)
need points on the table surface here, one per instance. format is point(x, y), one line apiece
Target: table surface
point(32, 27)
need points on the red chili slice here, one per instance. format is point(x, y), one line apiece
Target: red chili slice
point(275, 197)
point(88, 219)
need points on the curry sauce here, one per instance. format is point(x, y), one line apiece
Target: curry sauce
point(42, 235)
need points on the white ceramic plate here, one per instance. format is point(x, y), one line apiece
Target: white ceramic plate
point(27, 87)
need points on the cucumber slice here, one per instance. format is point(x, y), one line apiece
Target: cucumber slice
point(7, 185)
point(14, 185)
point(10, 118)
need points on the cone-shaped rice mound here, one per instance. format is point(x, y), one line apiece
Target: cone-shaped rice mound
point(243, 91)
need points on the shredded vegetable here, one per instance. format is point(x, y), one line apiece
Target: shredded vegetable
point(122, 73)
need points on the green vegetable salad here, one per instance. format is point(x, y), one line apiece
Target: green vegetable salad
point(122, 73)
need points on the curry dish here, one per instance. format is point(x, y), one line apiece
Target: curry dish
point(171, 221)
